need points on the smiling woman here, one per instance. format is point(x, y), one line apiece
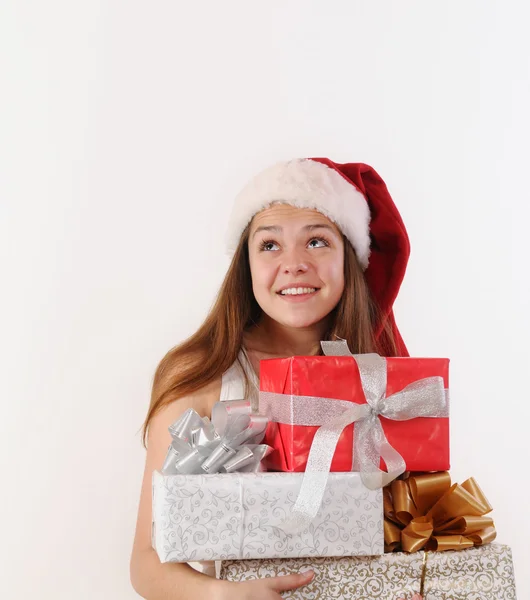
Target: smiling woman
point(318, 251)
point(298, 273)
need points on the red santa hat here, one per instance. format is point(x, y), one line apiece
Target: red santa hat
point(356, 199)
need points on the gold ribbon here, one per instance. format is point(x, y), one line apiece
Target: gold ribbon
point(424, 511)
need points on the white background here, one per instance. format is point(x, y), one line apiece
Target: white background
point(127, 127)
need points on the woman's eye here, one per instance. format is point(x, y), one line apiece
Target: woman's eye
point(267, 246)
point(320, 241)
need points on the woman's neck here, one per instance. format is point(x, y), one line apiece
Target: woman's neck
point(275, 340)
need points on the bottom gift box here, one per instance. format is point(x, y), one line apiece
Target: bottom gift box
point(483, 573)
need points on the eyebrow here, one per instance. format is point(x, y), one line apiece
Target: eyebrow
point(278, 229)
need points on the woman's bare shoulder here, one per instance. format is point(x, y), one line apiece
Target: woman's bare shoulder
point(207, 396)
point(202, 401)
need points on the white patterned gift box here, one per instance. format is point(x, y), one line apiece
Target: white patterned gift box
point(483, 573)
point(240, 515)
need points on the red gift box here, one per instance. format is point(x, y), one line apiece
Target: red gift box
point(423, 442)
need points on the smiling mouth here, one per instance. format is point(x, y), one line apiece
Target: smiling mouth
point(298, 292)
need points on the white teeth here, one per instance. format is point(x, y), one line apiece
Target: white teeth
point(296, 291)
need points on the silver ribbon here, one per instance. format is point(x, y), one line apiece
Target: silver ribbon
point(230, 442)
point(424, 398)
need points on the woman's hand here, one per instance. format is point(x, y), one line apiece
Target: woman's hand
point(267, 588)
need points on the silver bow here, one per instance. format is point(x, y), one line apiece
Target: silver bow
point(423, 398)
point(230, 442)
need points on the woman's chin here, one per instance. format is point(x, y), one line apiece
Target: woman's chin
point(297, 321)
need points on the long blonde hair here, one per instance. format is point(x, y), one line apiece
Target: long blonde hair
point(215, 346)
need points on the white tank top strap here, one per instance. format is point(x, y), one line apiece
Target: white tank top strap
point(233, 383)
point(233, 380)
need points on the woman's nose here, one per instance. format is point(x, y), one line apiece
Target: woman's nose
point(295, 260)
point(294, 267)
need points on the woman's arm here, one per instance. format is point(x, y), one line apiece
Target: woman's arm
point(168, 581)
point(176, 581)
point(154, 580)
point(151, 578)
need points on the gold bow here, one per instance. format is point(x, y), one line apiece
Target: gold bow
point(424, 510)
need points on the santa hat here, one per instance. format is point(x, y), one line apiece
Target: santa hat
point(357, 200)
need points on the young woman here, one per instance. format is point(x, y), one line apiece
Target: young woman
point(319, 250)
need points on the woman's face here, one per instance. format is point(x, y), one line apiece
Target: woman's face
point(293, 250)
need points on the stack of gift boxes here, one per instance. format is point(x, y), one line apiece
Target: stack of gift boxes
point(343, 471)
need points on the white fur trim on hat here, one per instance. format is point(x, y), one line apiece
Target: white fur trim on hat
point(305, 183)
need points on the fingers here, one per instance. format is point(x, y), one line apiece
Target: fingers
point(290, 582)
